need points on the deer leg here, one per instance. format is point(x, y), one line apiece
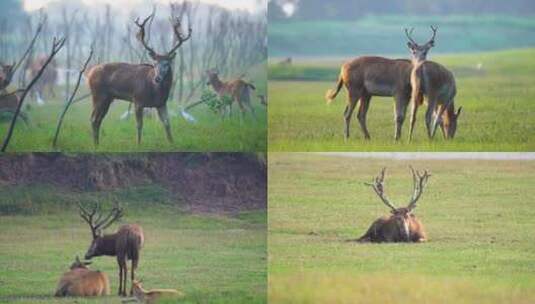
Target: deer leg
point(100, 108)
point(361, 115)
point(401, 111)
point(120, 278)
point(431, 108)
point(414, 110)
point(139, 122)
point(351, 104)
point(164, 118)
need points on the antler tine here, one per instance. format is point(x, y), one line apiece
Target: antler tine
point(177, 29)
point(88, 217)
point(378, 187)
point(420, 181)
point(141, 33)
point(114, 214)
point(434, 29)
point(409, 33)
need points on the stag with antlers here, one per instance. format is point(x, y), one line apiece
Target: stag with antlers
point(435, 82)
point(402, 225)
point(125, 244)
point(145, 85)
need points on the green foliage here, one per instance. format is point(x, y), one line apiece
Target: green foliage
point(478, 216)
point(215, 103)
point(498, 112)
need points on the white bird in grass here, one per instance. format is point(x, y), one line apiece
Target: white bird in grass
point(187, 116)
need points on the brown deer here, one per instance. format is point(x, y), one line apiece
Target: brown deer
point(236, 89)
point(402, 225)
point(46, 82)
point(6, 74)
point(9, 101)
point(145, 85)
point(153, 295)
point(80, 281)
point(125, 244)
point(437, 84)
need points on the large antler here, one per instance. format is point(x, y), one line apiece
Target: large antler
point(379, 187)
point(432, 40)
point(141, 33)
point(408, 33)
point(177, 29)
point(96, 220)
point(420, 181)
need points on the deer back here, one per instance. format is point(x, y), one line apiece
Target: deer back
point(130, 240)
point(131, 82)
point(82, 282)
point(377, 76)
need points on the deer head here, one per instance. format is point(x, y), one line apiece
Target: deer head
point(163, 62)
point(419, 52)
point(446, 118)
point(6, 73)
point(79, 264)
point(401, 216)
point(212, 75)
point(97, 223)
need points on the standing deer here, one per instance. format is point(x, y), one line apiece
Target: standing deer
point(437, 84)
point(145, 85)
point(402, 225)
point(9, 101)
point(80, 281)
point(47, 81)
point(125, 244)
point(236, 89)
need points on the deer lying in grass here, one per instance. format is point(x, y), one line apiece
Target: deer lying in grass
point(437, 84)
point(125, 244)
point(80, 281)
point(154, 295)
point(238, 90)
point(402, 225)
point(145, 85)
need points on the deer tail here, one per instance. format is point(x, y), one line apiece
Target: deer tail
point(331, 94)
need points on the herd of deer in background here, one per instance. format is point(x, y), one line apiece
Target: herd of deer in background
point(408, 81)
point(125, 244)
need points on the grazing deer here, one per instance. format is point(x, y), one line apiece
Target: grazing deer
point(125, 244)
point(437, 84)
point(47, 81)
point(145, 85)
point(237, 89)
point(80, 281)
point(153, 295)
point(402, 225)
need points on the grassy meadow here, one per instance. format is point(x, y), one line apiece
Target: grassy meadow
point(209, 133)
point(498, 112)
point(211, 258)
point(478, 216)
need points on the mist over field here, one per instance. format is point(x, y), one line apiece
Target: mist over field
point(341, 28)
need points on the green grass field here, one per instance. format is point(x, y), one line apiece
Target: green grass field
point(209, 133)
point(478, 216)
point(211, 258)
point(498, 112)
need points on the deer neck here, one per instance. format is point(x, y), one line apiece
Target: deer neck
point(108, 245)
point(217, 84)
